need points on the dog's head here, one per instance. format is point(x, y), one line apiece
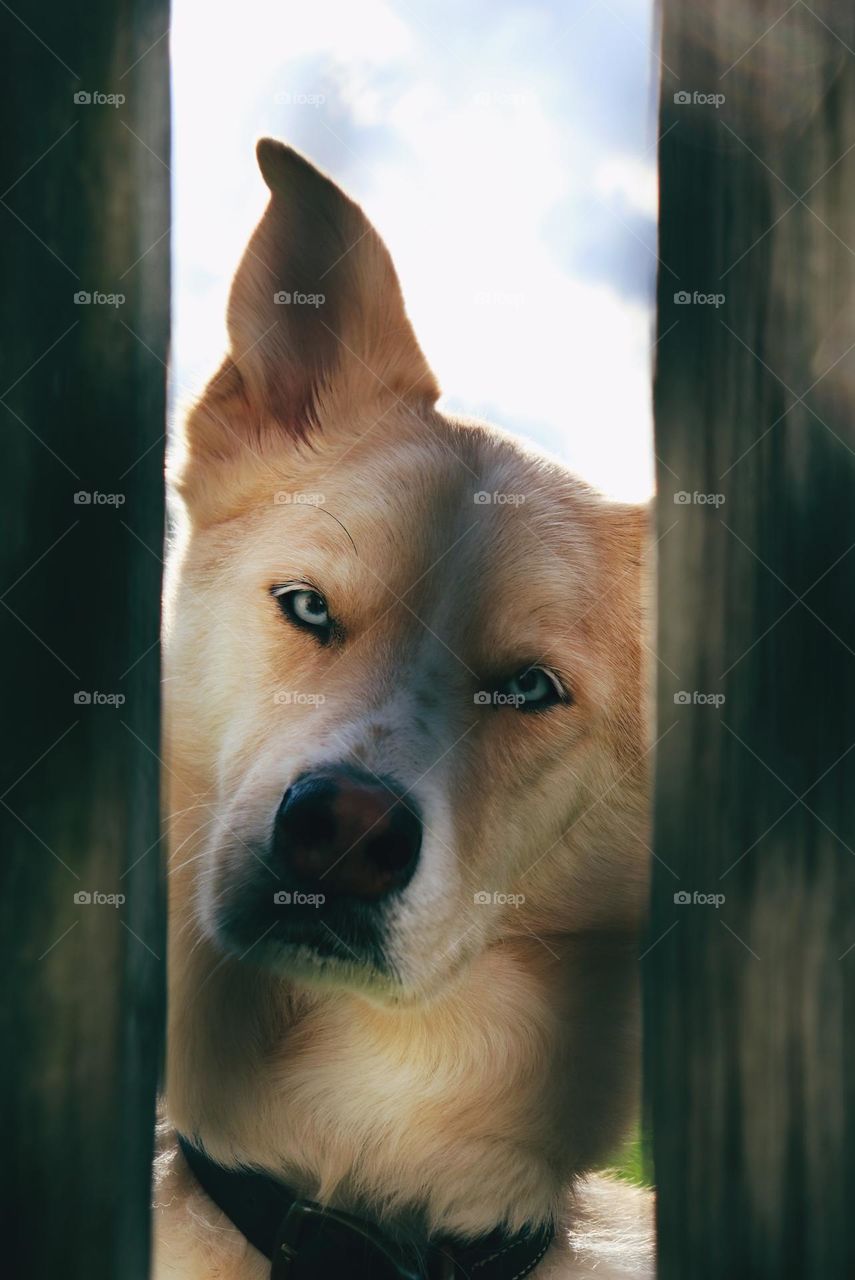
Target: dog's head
point(405, 651)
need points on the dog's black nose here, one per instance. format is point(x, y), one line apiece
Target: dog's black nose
point(344, 833)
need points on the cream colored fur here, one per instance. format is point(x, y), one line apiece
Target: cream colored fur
point(498, 1066)
point(604, 1232)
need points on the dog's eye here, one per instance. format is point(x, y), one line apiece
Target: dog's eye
point(533, 689)
point(305, 607)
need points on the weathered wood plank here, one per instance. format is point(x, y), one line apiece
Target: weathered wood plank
point(750, 1004)
point(85, 192)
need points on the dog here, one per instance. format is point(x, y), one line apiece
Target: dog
point(406, 736)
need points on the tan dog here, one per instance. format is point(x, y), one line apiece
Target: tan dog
point(406, 737)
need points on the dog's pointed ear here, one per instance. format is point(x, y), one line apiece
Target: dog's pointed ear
point(316, 320)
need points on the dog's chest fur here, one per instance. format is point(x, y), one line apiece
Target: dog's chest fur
point(467, 1110)
point(605, 1231)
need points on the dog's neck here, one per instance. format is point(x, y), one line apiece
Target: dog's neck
point(289, 1230)
point(466, 1111)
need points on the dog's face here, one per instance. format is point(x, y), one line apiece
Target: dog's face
point(405, 655)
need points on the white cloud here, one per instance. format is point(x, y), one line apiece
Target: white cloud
point(466, 161)
point(632, 180)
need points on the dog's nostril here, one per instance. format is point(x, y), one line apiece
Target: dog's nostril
point(346, 834)
point(391, 849)
point(312, 820)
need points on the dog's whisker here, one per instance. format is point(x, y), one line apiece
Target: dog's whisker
point(196, 857)
point(200, 854)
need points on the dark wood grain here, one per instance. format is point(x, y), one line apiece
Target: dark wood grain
point(749, 1003)
point(85, 208)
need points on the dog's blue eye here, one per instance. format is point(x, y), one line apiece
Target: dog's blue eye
point(533, 689)
point(305, 607)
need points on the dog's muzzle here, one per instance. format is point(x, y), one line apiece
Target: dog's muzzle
point(343, 847)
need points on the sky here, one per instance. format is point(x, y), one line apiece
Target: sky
point(505, 151)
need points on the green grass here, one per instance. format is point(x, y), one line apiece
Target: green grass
point(632, 1163)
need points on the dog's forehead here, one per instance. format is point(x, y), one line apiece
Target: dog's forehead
point(463, 503)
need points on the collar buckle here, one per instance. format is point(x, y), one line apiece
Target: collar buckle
point(342, 1244)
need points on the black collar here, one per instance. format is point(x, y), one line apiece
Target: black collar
point(307, 1242)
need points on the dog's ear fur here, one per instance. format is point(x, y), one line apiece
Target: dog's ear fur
point(316, 321)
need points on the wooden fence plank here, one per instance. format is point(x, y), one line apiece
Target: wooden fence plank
point(85, 211)
point(749, 1032)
